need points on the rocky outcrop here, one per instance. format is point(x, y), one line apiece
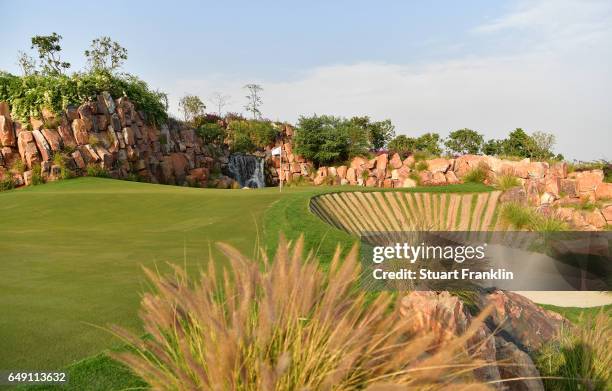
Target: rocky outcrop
point(114, 136)
point(515, 328)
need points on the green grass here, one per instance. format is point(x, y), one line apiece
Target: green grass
point(72, 253)
point(577, 315)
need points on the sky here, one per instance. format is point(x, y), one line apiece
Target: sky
point(429, 66)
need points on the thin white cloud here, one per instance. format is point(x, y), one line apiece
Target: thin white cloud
point(565, 89)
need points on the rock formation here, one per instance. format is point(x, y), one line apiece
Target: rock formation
point(516, 328)
point(115, 138)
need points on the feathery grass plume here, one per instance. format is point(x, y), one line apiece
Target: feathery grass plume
point(581, 359)
point(285, 325)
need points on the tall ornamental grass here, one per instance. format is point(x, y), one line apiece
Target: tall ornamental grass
point(286, 325)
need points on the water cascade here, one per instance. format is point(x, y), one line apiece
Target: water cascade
point(248, 170)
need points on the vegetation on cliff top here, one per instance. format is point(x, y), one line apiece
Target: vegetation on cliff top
point(44, 84)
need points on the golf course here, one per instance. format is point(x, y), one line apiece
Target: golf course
point(73, 253)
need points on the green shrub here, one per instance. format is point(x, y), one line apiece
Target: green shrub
point(7, 182)
point(507, 181)
point(421, 166)
point(27, 95)
point(580, 359)
point(18, 166)
point(248, 135)
point(37, 178)
point(60, 160)
point(477, 174)
point(211, 133)
point(94, 170)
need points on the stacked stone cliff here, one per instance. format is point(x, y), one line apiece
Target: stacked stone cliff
point(109, 134)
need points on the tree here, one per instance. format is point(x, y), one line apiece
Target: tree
point(254, 101)
point(403, 145)
point(105, 54)
point(358, 136)
point(518, 144)
point(493, 147)
point(323, 139)
point(26, 63)
point(464, 141)
point(428, 143)
point(48, 48)
point(220, 101)
point(543, 144)
point(192, 106)
point(379, 133)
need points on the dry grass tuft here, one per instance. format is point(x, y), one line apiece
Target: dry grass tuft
point(286, 325)
point(581, 359)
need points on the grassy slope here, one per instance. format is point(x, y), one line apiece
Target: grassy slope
point(72, 253)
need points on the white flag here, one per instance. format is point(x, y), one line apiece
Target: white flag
point(276, 151)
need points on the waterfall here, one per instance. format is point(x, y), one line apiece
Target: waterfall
point(248, 170)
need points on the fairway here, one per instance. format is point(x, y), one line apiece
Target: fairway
point(72, 253)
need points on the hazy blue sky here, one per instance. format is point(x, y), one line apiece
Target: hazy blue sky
point(426, 65)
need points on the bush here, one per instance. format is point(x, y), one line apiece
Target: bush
point(27, 95)
point(211, 133)
point(284, 325)
point(248, 135)
point(421, 165)
point(428, 143)
point(37, 178)
point(7, 182)
point(94, 170)
point(327, 139)
point(477, 174)
point(580, 359)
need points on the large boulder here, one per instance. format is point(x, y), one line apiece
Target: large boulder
point(516, 195)
point(27, 149)
point(396, 161)
point(80, 130)
point(351, 175)
point(451, 178)
point(522, 321)
point(438, 165)
point(444, 317)
point(7, 133)
point(604, 191)
point(568, 187)
point(381, 165)
point(53, 139)
point(359, 162)
point(42, 144)
point(438, 178)
point(466, 163)
point(588, 180)
point(341, 171)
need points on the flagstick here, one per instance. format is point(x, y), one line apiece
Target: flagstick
point(280, 179)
